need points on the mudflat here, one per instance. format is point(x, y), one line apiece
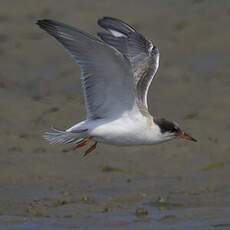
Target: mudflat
point(176, 185)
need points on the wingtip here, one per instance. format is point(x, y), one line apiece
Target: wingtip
point(110, 23)
point(41, 22)
point(110, 18)
point(100, 21)
point(38, 22)
point(44, 22)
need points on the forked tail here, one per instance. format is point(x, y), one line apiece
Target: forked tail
point(64, 137)
point(79, 138)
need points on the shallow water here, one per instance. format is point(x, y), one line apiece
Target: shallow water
point(197, 218)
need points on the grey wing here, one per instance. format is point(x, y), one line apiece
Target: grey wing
point(106, 74)
point(142, 54)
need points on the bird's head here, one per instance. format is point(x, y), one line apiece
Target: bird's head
point(170, 130)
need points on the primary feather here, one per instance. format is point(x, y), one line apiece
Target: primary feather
point(106, 74)
point(142, 54)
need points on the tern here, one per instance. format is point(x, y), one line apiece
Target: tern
point(117, 68)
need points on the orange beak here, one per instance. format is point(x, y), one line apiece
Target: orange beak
point(185, 136)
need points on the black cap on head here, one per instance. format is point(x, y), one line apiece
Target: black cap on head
point(167, 126)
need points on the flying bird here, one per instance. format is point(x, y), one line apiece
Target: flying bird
point(117, 68)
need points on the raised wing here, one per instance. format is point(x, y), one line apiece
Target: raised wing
point(106, 74)
point(142, 54)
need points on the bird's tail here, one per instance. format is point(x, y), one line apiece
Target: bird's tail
point(64, 137)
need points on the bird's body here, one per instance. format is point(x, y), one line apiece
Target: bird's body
point(127, 130)
point(116, 74)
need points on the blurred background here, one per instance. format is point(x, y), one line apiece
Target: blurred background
point(176, 185)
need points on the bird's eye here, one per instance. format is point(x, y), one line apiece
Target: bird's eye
point(174, 129)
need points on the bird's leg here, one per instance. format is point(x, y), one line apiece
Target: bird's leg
point(82, 143)
point(89, 150)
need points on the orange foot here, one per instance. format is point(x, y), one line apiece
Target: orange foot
point(82, 143)
point(89, 150)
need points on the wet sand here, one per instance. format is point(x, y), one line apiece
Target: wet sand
point(176, 185)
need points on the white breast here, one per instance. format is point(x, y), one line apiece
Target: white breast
point(126, 131)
